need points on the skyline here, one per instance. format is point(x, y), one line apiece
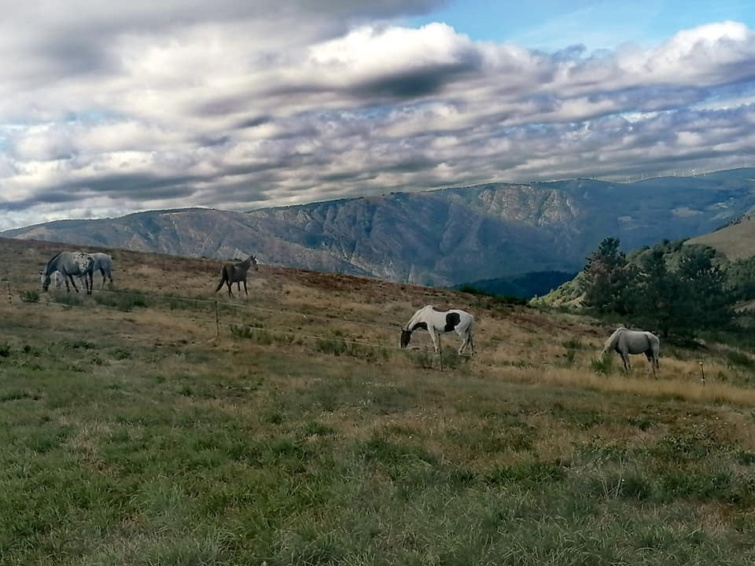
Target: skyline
point(109, 110)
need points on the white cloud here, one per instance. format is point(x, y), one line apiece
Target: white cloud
point(240, 105)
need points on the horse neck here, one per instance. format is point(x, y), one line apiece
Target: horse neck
point(613, 339)
point(52, 265)
point(423, 315)
point(413, 321)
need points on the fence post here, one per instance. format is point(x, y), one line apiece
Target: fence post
point(217, 322)
point(10, 297)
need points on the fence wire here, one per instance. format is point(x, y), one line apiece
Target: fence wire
point(216, 306)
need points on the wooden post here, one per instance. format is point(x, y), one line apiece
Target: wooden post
point(217, 322)
point(702, 373)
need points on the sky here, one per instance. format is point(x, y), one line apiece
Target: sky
point(112, 108)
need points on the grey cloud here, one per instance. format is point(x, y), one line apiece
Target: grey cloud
point(255, 122)
point(131, 186)
point(415, 83)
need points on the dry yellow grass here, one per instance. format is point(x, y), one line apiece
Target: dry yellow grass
point(513, 343)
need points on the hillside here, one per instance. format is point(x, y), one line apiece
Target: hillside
point(735, 241)
point(155, 422)
point(442, 237)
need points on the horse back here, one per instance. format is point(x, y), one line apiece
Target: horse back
point(453, 319)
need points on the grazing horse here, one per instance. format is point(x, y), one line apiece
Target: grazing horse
point(439, 322)
point(104, 264)
point(625, 342)
point(236, 273)
point(70, 265)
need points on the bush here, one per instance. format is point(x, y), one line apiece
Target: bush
point(30, 296)
point(258, 335)
point(603, 365)
point(122, 301)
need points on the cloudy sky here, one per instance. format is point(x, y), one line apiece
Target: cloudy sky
point(110, 108)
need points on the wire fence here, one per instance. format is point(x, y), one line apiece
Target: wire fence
point(286, 324)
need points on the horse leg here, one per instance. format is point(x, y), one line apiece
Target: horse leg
point(625, 359)
point(72, 283)
point(466, 340)
point(245, 291)
point(435, 338)
point(230, 286)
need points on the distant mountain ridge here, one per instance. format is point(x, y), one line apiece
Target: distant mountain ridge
point(439, 237)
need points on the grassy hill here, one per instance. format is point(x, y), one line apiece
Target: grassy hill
point(155, 422)
point(735, 241)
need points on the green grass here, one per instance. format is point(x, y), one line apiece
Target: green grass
point(257, 450)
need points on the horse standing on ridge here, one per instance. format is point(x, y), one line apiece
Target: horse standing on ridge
point(626, 342)
point(439, 322)
point(236, 273)
point(70, 265)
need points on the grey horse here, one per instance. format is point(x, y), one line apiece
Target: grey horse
point(236, 273)
point(626, 342)
point(104, 264)
point(70, 264)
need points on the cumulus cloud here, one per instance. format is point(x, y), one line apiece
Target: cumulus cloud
point(238, 105)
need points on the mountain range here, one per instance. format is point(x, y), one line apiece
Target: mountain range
point(439, 237)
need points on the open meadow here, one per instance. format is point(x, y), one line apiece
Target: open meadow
point(159, 423)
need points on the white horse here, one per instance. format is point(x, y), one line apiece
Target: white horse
point(439, 322)
point(104, 264)
point(626, 342)
point(57, 279)
point(70, 265)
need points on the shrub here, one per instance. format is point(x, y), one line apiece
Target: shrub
point(30, 296)
point(122, 301)
point(68, 299)
point(603, 365)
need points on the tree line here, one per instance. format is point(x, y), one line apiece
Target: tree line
point(672, 288)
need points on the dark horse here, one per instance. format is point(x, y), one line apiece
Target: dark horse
point(236, 273)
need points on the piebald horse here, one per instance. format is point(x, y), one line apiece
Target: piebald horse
point(626, 342)
point(439, 322)
point(236, 273)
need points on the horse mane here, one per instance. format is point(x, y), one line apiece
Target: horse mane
point(613, 339)
point(53, 258)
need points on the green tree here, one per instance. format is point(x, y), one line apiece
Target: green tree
point(654, 293)
point(605, 279)
point(706, 304)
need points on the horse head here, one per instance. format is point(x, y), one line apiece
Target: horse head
point(254, 262)
point(406, 336)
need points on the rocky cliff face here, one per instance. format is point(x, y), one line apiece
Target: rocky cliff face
point(439, 237)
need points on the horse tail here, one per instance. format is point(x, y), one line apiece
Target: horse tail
point(223, 278)
point(655, 344)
